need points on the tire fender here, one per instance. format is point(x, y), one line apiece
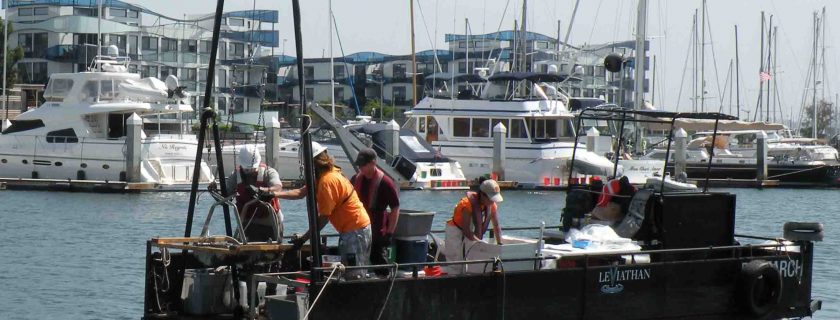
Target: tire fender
point(759, 287)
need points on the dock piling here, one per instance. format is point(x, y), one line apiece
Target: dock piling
point(592, 139)
point(680, 138)
point(761, 156)
point(133, 139)
point(272, 143)
point(393, 143)
point(499, 151)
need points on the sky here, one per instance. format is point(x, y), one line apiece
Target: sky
point(384, 26)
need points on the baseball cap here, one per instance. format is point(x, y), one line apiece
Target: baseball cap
point(491, 188)
point(365, 156)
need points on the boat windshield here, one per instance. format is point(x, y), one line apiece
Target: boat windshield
point(57, 89)
point(100, 90)
point(515, 90)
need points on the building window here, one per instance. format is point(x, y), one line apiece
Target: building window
point(399, 95)
point(202, 74)
point(34, 44)
point(118, 12)
point(238, 77)
point(222, 51)
point(88, 12)
point(237, 50)
point(150, 43)
point(25, 42)
point(399, 71)
point(149, 72)
point(167, 71)
point(204, 47)
point(33, 73)
point(25, 12)
point(222, 76)
point(480, 127)
point(310, 94)
point(188, 74)
point(461, 127)
point(190, 46)
point(236, 22)
point(41, 11)
point(168, 45)
point(462, 67)
point(117, 40)
point(338, 94)
point(338, 71)
point(132, 68)
point(133, 14)
point(309, 73)
point(132, 44)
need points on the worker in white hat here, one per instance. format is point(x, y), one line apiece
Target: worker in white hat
point(470, 220)
point(338, 204)
point(251, 180)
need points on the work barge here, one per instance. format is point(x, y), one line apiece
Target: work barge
point(690, 263)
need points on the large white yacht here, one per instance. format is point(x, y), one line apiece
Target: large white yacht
point(80, 132)
point(540, 130)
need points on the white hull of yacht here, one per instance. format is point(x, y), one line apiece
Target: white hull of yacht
point(165, 159)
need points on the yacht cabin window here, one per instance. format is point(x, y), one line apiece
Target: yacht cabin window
point(421, 125)
point(480, 127)
point(518, 129)
point(461, 127)
point(23, 125)
point(57, 89)
point(549, 128)
point(62, 136)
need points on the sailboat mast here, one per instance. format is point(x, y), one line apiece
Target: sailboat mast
point(760, 72)
point(641, 26)
point(467, 33)
point(769, 67)
point(703, 58)
point(569, 29)
point(737, 77)
point(332, 63)
point(775, 70)
point(98, 32)
point(523, 63)
point(814, 63)
point(694, 64)
point(413, 59)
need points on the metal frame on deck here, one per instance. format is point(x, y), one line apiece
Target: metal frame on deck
point(616, 113)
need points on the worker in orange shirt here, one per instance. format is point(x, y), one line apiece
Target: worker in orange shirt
point(339, 204)
point(469, 222)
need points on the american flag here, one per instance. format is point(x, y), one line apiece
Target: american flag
point(764, 76)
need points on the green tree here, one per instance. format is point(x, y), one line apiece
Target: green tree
point(825, 114)
point(374, 109)
point(15, 54)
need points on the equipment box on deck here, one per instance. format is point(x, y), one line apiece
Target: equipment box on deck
point(511, 248)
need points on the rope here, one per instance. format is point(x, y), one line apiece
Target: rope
point(335, 267)
point(795, 172)
point(390, 288)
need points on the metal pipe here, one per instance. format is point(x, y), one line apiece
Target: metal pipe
point(618, 147)
point(306, 147)
point(711, 155)
point(5, 65)
point(667, 154)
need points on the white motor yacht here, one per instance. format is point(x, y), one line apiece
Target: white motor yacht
point(80, 132)
point(540, 131)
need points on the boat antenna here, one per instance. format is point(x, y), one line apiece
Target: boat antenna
point(306, 147)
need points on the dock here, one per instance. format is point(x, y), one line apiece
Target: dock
point(88, 186)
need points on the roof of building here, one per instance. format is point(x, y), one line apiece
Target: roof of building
point(507, 35)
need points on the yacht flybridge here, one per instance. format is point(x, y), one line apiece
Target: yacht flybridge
point(540, 131)
point(82, 130)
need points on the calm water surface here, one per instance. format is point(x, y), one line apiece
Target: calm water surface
point(81, 256)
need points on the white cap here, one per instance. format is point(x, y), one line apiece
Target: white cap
point(491, 188)
point(249, 157)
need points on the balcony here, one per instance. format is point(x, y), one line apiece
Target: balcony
point(74, 53)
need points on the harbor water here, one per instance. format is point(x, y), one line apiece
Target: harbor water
point(81, 256)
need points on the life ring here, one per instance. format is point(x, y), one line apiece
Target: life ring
point(803, 231)
point(760, 287)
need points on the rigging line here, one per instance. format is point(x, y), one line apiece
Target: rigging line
point(618, 9)
point(346, 68)
point(714, 57)
point(498, 29)
point(429, 37)
point(685, 69)
point(663, 49)
point(725, 86)
point(591, 31)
